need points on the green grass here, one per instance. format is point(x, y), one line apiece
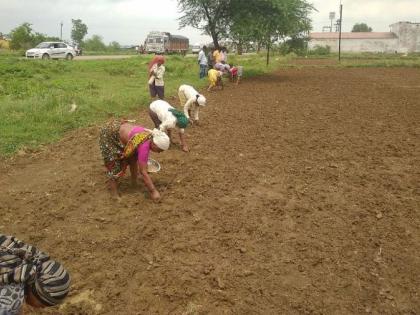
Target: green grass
point(36, 95)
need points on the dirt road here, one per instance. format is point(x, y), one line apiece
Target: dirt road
point(300, 196)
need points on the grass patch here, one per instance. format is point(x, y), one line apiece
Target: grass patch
point(36, 95)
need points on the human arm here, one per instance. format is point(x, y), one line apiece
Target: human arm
point(154, 193)
point(133, 170)
point(188, 107)
point(184, 145)
point(196, 111)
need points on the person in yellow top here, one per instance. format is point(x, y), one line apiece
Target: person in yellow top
point(217, 57)
point(215, 79)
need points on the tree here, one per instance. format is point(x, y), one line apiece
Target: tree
point(267, 21)
point(114, 45)
point(21, 37)
point(361, 27)
point(78, 31)
point(210, 16)
point(95, 44)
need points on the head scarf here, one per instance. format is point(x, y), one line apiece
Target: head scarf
point(182, 120)
point(201, 100)
point(156, 59)
point(51, 284)
point(161, 139)
point(24, 265)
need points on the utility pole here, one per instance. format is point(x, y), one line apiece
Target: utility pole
point(61, 30)
point(339, 37)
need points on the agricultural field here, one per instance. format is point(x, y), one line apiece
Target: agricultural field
point(299, 196)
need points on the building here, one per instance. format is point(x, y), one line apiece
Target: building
point(404, 37)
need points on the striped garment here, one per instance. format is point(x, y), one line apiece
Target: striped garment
point(22, 264)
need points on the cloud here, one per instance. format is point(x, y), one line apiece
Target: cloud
point(129, 21)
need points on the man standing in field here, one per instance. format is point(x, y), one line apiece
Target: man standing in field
point(202, 61)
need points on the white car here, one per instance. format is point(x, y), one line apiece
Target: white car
point(53, 50)
point(195, 49)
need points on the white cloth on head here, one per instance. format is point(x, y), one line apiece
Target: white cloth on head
point(161, 139)
point(168, 120)
point(190, 99)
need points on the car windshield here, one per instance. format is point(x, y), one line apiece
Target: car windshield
point(43, 45)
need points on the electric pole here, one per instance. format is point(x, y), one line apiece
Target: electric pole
point(339, 37)
point(61, 30)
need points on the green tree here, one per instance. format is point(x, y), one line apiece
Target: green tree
point(361, 27)
point(95, 44)
point(114, 45)
point(78, 31)
point(210, 16)
point(21, 37)
point(267, 21)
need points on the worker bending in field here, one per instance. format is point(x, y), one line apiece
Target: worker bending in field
point(167, 118)
point(123, 144)
point(29, 275)
point(191, 100)
point(215, 79)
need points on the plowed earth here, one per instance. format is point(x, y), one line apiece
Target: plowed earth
point(300, 196)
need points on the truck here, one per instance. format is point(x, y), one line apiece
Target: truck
point(165, 43)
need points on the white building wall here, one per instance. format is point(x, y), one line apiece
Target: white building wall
point(389, 45)
point(408, 36)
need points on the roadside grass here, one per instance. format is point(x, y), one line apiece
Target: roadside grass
point(36, 96)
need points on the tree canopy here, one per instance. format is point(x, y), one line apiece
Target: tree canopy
point(262, 21)
point(23, 37)
point(361, 27)
point(210, 16)
point(95, 44)
point(78, 31)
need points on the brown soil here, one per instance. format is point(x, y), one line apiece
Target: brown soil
point(300, 196)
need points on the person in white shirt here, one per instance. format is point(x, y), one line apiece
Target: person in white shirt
point(202, 61)
point(156, 72)
point(191, 100)
point(167, 118)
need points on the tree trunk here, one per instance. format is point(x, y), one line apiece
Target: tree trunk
point(268, 53)
point(215, 40)
point(258, 46)
point(239, 47)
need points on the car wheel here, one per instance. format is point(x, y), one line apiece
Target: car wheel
point(45, 56)
point(69, 57)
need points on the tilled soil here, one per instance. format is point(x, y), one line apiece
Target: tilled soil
point(300, 196)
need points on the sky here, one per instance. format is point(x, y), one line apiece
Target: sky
point(129, 21)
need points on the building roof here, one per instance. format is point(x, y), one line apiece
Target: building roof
point(352, 35)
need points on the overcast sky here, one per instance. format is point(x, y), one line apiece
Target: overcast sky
point(129, 21)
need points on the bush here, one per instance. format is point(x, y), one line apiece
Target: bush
point(320, 50)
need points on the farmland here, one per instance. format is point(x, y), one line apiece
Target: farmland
point(299, 196)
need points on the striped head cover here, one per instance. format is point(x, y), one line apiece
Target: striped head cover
point(25, 265)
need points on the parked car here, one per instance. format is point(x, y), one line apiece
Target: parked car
point(53, 50)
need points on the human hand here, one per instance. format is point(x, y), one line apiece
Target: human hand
point(185, 148)
point(155, 195)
